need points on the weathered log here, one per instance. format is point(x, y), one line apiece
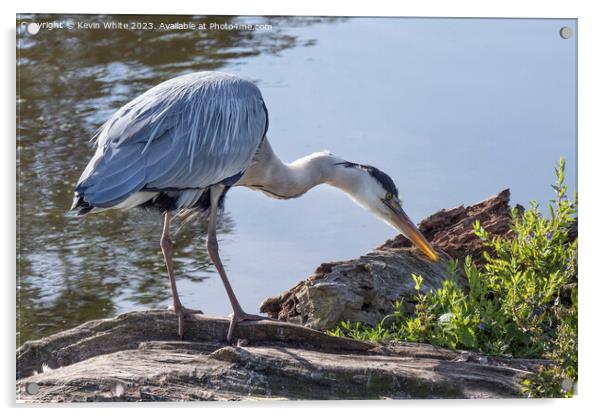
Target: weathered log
point(126, 331)
point(139, 357)
point(364, 289)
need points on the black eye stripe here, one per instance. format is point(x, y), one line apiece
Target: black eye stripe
point(380, 176)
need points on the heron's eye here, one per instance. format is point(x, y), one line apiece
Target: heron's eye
point(389, 196)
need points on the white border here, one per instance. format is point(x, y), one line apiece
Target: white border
point(590, 108)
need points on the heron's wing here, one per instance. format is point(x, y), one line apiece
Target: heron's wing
point(190, 132)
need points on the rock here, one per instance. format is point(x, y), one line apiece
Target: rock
point(139, 357)
point(364, 289)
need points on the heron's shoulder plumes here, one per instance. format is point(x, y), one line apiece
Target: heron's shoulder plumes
point(191, 131)
point(381, 177)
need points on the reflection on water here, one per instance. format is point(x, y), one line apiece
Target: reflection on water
point(69, 82)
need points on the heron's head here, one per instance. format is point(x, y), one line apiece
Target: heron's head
point(374, 190)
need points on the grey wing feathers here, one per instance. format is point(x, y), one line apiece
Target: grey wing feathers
point(189, 132)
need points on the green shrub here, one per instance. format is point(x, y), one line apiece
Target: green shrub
point(521, 303)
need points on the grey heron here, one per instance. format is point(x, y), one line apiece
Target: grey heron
point(180, 146)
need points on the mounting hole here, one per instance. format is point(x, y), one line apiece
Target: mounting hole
point(32, 388)
point(566, 384)
point(33, 28)
point(566, 32)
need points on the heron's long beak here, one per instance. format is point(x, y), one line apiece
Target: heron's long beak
point(405, 225)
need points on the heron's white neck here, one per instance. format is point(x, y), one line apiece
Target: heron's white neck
point(290, 180)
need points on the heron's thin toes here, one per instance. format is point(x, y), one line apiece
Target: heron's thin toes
point(181, 326)
point(189, 312)
point(182, 313)
point(231, 330)
point(240, 317)
point(251, 317)
point(235, 318)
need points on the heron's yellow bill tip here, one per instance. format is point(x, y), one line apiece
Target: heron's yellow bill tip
point(419, 241)
point(433, 256)
point(411, 232)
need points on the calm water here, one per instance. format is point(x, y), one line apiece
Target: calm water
point(453, 110)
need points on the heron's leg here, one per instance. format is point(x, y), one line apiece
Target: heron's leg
point(166, 248)
point(239, 314)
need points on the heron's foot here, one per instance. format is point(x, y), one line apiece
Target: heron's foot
point(241, 316)
point(182, 313)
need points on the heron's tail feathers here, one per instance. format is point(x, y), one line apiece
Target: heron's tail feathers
point(80, 207)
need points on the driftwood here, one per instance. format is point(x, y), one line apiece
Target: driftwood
point(364, 289)
point(138, 357)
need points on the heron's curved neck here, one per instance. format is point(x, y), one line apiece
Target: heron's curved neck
point(290, 180)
